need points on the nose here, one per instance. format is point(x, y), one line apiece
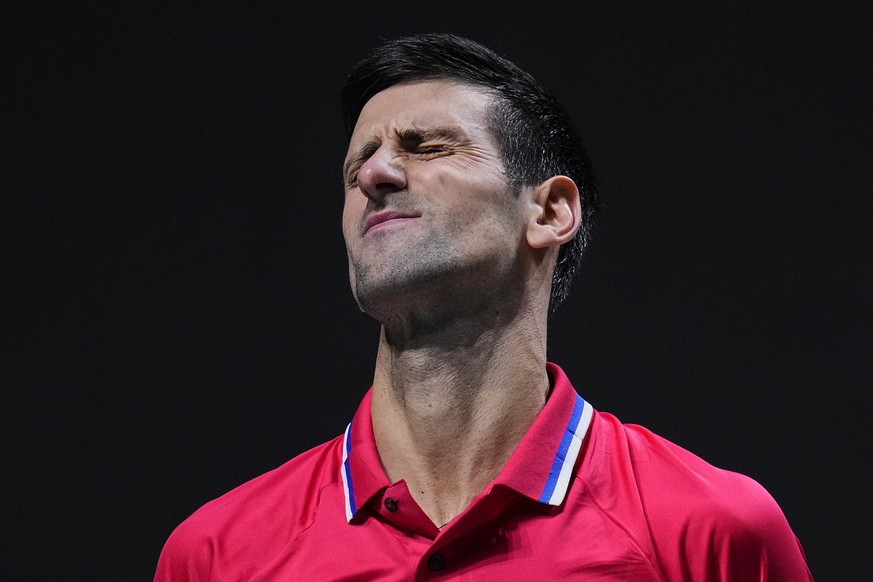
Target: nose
point(381, 175)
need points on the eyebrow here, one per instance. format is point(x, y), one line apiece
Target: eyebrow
point(407, 135)
point(419, 135)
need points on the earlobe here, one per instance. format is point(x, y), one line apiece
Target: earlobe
point(556, 213)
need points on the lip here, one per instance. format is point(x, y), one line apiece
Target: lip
point(385, 216)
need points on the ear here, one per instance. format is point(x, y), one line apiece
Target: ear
point(555, 213)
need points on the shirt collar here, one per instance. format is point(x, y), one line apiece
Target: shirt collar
point(541, 467)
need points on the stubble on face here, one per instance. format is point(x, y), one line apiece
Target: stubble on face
point(417, 268)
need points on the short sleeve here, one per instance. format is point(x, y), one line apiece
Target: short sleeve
point(742, 536)
point(186, 557)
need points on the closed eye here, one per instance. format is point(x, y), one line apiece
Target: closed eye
point(352, 165)
point(432, 141)
point(350, 175)
point(426, 150)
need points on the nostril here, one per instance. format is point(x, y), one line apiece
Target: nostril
point(386, 186)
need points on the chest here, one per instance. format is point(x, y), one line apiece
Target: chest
point(582, 544)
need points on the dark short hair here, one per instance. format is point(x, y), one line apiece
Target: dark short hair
point(536, 137)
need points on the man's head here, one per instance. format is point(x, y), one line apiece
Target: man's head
point(532, 135)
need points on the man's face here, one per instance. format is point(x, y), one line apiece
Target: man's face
point(429, 214)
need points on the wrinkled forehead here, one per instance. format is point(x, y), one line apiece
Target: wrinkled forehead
point(423, 105)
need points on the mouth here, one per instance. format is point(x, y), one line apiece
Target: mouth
point(386, 218)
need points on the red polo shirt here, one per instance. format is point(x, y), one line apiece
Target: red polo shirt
point(583, 497)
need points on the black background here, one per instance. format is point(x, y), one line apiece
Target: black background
point(178, 317)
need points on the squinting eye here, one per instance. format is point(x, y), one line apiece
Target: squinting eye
point(427, 150)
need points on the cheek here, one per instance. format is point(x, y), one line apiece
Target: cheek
point(492, 205)
point(351, 215)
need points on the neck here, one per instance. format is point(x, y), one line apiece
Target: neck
point(451, 403)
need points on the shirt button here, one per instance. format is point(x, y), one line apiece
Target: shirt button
point(391, 505)
point(436, 562)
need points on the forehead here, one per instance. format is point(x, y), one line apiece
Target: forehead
point(424, 104)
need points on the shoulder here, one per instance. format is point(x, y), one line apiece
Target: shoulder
point(240, 520)
point(681, 488)
point(705, 520)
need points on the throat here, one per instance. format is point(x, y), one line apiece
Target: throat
point(451, 405)
point(447, 438)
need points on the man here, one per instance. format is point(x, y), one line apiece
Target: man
point(468, 200)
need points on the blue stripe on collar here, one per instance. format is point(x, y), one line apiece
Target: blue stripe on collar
point(348, 489)
point(559, 476)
